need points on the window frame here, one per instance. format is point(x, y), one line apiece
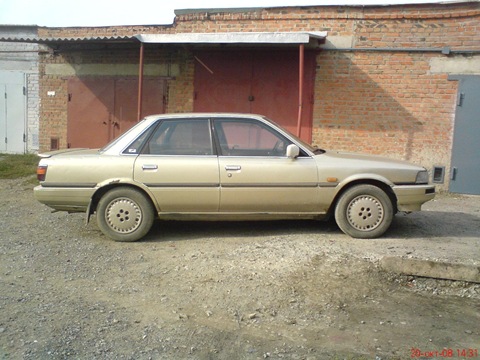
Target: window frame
point(152, 130)
point(219, 134)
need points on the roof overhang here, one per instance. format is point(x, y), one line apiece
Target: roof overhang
point(272, 39)
point(247, 38)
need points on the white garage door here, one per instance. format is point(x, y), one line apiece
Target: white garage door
point(12, 112)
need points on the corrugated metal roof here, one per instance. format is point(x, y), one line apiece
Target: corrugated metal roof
point(47, 40)
point(187, 38)
point(233, 38)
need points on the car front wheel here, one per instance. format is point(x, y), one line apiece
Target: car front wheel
point(125, 214)
point(364, 211)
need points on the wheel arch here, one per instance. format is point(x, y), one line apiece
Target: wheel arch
point(102, 190)
point(368, 181)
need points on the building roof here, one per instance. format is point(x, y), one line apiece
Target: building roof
point(233, 38)
point(47, 40)
point(252, 38)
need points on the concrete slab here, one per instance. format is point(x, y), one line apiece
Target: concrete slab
point(432, 269)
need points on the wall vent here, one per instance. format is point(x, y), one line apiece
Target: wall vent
point(54, 143)
point(438, 174)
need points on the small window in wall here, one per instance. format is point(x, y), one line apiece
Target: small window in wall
point(438, 174)
point(54, 143)
point(181, 137)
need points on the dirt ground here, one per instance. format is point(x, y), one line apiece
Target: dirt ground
point(270, 290)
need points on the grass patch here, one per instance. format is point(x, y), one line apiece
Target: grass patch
point(13, 166)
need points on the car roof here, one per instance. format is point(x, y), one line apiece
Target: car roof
point(120, 143)
point(202, 115)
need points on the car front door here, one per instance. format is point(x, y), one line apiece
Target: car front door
point(255, 174)
point(180, 168)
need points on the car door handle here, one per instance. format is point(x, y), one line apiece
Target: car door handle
point(233, 167)
point(149, 167)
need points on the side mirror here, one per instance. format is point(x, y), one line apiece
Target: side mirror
point(293, 151)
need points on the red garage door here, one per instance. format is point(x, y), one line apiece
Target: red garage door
point(255, 81)
point(102, 108)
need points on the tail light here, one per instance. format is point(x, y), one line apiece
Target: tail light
point(41, 172)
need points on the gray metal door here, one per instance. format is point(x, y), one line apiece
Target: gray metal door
point(465, 169)
point(12, 112)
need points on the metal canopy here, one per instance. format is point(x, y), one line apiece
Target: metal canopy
point(251, 38)
point(292, 38)
point(299, 39)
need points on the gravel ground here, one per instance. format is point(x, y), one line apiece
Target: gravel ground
point(270, 290)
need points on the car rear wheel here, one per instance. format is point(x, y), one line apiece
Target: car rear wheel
point(125, 214)
point(364, 211)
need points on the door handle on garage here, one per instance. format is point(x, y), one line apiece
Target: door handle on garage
point(233, 167)
point(149, 167)
point(454, 174)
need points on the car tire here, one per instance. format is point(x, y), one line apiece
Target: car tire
point(364, 212)
point(125, 214)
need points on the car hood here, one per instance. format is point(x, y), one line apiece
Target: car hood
point(363, 159)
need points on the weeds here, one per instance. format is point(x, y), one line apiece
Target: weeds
point(13, 166)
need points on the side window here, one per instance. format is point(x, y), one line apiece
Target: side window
point(181, 137)
point(249, 138)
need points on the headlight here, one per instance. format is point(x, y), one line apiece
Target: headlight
point(422, 177)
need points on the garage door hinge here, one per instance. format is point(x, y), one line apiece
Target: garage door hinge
point(24, 137)
point(460, 98)
point(24, 90)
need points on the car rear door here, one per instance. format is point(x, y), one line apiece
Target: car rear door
point(179, 166)
point(255, 174)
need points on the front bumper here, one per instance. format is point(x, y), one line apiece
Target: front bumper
point(411, 197)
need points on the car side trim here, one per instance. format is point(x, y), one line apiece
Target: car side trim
point(69, 185)
point(271, 185)
point(182, 185)
point(328, 184)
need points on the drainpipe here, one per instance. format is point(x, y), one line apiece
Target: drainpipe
point(300, 87)
point(140, 84)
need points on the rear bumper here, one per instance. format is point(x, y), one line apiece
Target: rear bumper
point(64, 199)
point(411, 197)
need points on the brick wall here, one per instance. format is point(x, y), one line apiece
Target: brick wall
point(33, 112)
point(180, 89)
point(102, 31)
point(370, 102)
point(53, 111)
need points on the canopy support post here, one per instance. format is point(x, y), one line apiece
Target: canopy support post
point(140, 84)
point(301, 71)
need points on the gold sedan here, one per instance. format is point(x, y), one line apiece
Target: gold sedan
point(226, 167)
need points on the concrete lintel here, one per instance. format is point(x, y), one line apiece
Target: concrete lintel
point(455, 65)
point(14, 65)
point(338, 42)
point(111, 69)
